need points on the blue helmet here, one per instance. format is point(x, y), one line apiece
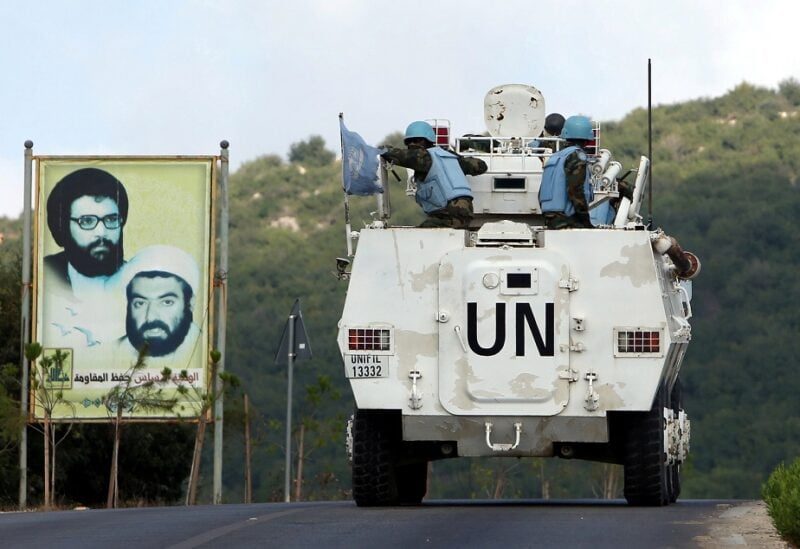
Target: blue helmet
point(420, 129)
point(577, 127)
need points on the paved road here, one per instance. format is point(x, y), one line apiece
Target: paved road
point(457, 524)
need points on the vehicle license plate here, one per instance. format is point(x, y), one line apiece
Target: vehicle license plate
point(366, 366)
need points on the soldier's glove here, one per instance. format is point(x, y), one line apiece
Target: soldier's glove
point(625, 189)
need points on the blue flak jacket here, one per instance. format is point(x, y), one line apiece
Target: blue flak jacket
point(553, 195)
point(445, 182)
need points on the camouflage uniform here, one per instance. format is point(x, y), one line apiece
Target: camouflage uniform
point(458, 212)
point(575, 171)
point(554, 220)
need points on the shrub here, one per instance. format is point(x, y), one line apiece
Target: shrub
point(781, 492)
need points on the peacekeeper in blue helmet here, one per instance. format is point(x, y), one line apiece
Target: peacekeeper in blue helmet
point(566, 190)
point(442, 188)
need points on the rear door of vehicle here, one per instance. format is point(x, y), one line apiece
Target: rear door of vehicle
point(504, 332)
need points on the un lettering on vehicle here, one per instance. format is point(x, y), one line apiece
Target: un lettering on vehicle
point(518, 325)
point(360, 366)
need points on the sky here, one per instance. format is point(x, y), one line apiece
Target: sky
point(156, 77)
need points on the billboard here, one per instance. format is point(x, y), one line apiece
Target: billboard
point(123, 262)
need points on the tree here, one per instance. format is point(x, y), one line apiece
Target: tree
point(205, 398)
point(790, 89)
point(10, 280)
point(11, 421)
point(10, 418)
point(311, 152)
point(323, 429)
point(394, 139)
point(127, 397)
point(49, 378)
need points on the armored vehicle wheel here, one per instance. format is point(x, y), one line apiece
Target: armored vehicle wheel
point(412, 482)
point(676, 403)
point(375, 441)
point(646, 471)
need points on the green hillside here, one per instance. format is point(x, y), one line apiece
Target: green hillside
point(725, 184)
point(725, 173)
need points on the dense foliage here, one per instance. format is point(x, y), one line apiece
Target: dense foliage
point(726, 185)
point(782, 494)
point(10, 279)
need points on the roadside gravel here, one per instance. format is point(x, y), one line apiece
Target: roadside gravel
point(742, 525)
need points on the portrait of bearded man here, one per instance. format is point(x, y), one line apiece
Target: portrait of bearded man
point(86, 215)
point(87, 211)
point(161, 286)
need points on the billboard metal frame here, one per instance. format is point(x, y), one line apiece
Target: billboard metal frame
point(211, 280)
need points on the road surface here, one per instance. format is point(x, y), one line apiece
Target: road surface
point(440, 524)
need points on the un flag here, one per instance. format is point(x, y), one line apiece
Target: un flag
point(359, 164)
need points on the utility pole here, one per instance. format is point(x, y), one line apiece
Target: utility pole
point(294, 345)
point(248, 475)
point(222, 310)
point(290, 359)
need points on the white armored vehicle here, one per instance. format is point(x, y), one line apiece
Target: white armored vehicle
point(509, 339)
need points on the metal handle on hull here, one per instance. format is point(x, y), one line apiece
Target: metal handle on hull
point(457, 330)
point(499, 447)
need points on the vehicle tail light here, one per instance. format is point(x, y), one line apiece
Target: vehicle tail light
point(368, 339)
point(441, 128)
point(442, 136)
point(638, 341)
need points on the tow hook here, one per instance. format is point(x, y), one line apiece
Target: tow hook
point(592, 398)
point(500, 447)
point(415, 400)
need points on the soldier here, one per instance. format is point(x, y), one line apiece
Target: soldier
point(566, 190)
point(553, 125)
point(442, 188)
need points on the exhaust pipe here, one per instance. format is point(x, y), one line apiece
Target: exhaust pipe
point(687, 265)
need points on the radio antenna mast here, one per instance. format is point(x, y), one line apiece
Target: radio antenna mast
point(650, 145)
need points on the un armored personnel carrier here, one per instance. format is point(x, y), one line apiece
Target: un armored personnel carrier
point(509, 339)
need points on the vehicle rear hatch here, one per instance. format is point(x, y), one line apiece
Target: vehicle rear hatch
point(504, 331)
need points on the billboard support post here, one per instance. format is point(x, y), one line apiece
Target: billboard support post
point(25, 331)
point(222, 280)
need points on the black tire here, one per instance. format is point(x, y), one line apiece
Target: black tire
point(674, 472)
point(375, 442)
point(412, 482)
point(676, 403)
point(646, 471)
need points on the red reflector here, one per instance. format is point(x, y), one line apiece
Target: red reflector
point(368, 339)
point(442, 135)
point(639, 341)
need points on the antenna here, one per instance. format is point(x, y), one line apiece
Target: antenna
point(650, 144)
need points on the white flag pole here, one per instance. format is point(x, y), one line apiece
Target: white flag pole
point(347, 227)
